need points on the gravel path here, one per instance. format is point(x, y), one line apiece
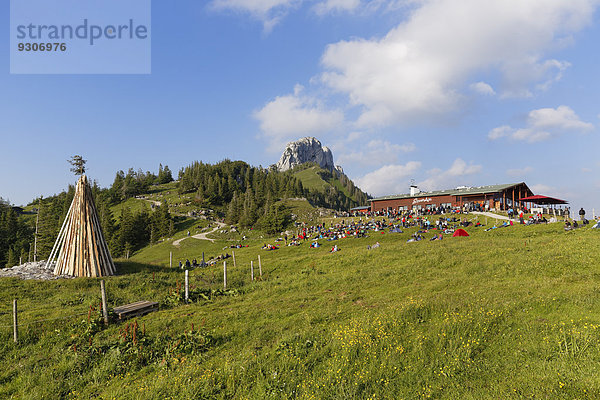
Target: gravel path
point(201, 236)
point(491, 215)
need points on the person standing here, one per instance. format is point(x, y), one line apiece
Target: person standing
point(582, 214)
point(521, 219)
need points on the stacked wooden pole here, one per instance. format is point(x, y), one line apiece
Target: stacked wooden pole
point(80, 248)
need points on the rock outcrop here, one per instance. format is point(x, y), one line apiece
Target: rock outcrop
point(307, 149)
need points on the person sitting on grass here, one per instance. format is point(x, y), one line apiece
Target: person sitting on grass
point(334, 249)
point(415, 238)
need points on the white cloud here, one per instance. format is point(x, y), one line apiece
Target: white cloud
point(353, 136)
point(453, 176)
point(288, 117)
point(482, 88)
point(419, 69)
point(389, 179)
point(519, 172)
point(541, 188)
point(542, 124)
point(563, 118)
point(329, 6)
point(376, 152)
point(269, 12)
point(499, 132)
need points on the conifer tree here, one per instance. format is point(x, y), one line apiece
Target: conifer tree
point(12, 258)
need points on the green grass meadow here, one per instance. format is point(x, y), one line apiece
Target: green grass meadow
point(513, 313)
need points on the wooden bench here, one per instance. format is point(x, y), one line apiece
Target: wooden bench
point(135, 309)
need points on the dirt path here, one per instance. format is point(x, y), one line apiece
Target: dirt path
point(491, 215)
point(201, 236)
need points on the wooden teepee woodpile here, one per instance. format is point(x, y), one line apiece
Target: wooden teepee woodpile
point(80, 248)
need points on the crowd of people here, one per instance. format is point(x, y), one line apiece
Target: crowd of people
point(438, 221)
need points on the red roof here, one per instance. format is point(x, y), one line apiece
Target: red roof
point(538, 199)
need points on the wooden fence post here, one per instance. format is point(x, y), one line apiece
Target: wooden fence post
point(259, 267)
point(225, 275)
point(170, 259)
point(104, 307)
point(252, 270)
point(233, 255)
point(187, 285)
point(15, 323)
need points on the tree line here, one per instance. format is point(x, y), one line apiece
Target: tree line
point(126, 232)
point(245, 195)
point(248, 195)
point(15, 235)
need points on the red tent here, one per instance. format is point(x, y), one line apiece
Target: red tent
point(460, 232)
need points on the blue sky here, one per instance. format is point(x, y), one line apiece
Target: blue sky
point(445, 92)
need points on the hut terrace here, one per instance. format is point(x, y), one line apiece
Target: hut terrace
point(493, 197)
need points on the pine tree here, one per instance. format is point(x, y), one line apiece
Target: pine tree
point(23, 256)
point(12, 258)
point(171, 228)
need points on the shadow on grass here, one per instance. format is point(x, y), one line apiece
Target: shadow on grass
point(131, 267)
point(186, 224)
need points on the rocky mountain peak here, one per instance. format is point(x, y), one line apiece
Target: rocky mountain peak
point(308, 149)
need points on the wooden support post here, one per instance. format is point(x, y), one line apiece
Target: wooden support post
point(104, 307)
point(170, 259)
point(513, 198)
point(15, 323)
point(187, 285)
point(20, 260)
point(225, 275)
point(29, 258)
point(37, 219)
point(259, 267)
point(233, 255)
point(252, 270)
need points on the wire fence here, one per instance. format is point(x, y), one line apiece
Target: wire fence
point(44, 320)
point(22, 314)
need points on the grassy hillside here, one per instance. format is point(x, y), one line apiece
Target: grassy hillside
point(510, 313)
point(311, 179)
point(317, 179)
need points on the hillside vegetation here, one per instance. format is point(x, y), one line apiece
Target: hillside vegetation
point(142, 208)
point(329, 188)
point(510, 313)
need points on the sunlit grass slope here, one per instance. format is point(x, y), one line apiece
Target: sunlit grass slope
point(510, 313)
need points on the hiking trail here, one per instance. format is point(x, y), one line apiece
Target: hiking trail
point(201, 236)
